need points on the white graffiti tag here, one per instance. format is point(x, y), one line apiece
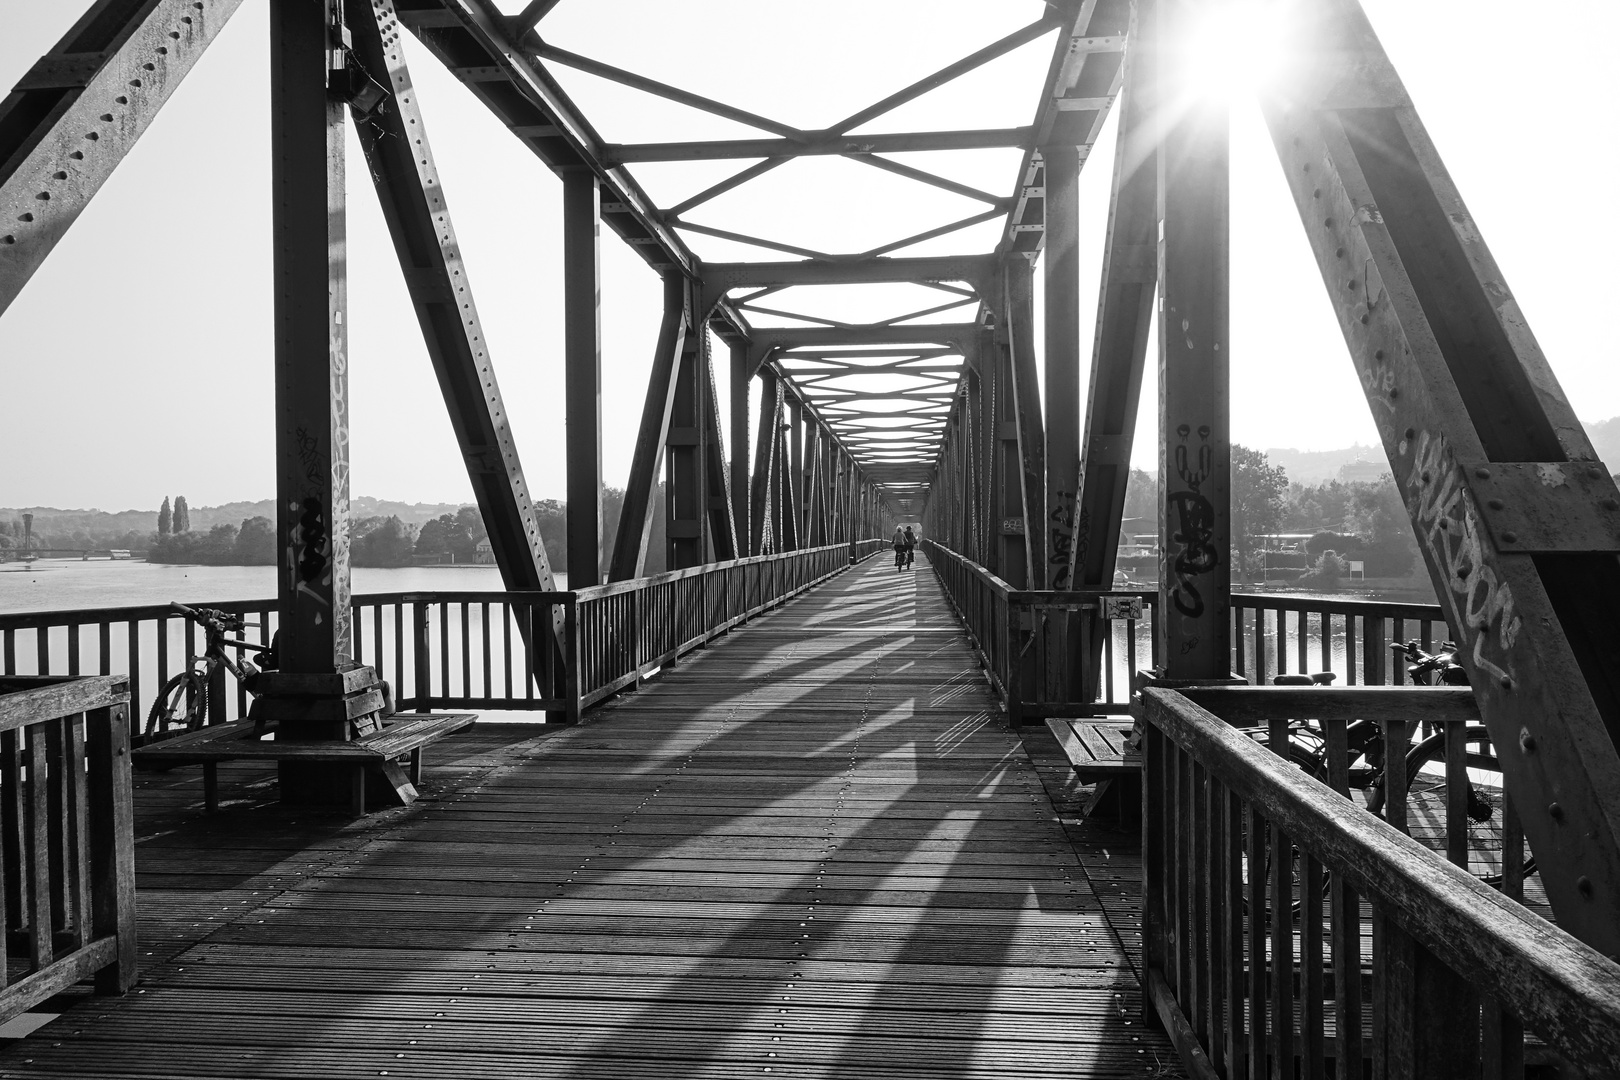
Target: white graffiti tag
point(1448, 525)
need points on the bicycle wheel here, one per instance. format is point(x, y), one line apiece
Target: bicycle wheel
point(1426, 801)
point(180, 706)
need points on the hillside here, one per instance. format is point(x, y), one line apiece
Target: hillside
point(49, 519)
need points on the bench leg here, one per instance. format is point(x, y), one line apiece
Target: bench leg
point(396, 782)
point(357, 790)
point(416, 767)
point(211, 786)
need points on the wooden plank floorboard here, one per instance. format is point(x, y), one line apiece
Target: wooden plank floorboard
point(812, 848)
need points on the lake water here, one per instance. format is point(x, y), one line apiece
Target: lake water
point(59, 584)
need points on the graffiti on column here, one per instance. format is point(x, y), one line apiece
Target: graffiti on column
point(1061, 559)
point(1191, 519)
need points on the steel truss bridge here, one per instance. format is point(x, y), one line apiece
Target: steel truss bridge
point(935, 412)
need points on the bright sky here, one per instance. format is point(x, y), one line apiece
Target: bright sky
point(137, 363)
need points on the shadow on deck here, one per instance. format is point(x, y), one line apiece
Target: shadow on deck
point(812, 849)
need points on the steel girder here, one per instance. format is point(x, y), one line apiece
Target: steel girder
point(1195, 446)
point(307, 130)
point(394, 138)
point(1119, 354)
point(78, 111)
point(1518, 522)
point(721, 149)
point(582, 373)
point(635, 519)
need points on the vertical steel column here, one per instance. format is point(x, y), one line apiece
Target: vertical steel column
point(781, 529)
point(741, 375)
point(1026, 406)
point(686, 501)
point(582, 349)
point(762, 539)
point(1195, 441)
point(812, 479)
point(312, 381)
point(795, 474)
point(1062, 259)
point(635, 519)
point(723, 534)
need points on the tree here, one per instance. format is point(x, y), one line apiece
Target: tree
point(256, 543)
point(1257, 503)
point(1378, 516)
point(383, 542)
point(165, 518)
point(182, 515)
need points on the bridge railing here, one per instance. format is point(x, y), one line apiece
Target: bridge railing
point(1271, 635)
point(67, 842)
point(447, 650)
point(1008, 626)
point(1256, 876)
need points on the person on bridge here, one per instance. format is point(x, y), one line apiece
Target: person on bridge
point(911, 547)
point(899, 548)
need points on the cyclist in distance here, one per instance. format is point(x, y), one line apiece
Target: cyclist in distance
point(911, 547)
point(899, 548)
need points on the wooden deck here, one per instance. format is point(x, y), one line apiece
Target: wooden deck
point(812, 849)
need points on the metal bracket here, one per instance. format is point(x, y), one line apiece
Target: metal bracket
point(64, 71)
point(1546, 507)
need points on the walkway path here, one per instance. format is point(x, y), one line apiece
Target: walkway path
point(812, 849)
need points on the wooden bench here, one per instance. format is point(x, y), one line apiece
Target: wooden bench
point(1095, 747)
point(377, 753)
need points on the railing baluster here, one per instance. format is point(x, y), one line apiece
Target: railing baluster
point(1230, 816)
point(78, 800)
point(42, 650)
point(1282, 926)
point(1255, 856)
point(1350, 650)
point(489, 690)
point(506, 645)
point(1259, 646)
point(1304, 651)
point(444, 650)
point(467, 651)
point(40, 948)
point(1200, 1001)
point(1346, 921)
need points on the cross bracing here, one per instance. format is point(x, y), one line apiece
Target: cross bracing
point(934, 403)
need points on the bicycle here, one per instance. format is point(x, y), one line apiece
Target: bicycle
point(1425, 764)
point(182, 704)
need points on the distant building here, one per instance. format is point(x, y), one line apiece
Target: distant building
point(484, 553)
point(1362, 471)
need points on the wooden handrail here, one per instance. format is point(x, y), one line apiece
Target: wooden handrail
point(1561, 989)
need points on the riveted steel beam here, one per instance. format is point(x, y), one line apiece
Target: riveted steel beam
point(979, 271)
point(582, 373)
point(635, 518)
point(393, 135)
point(78, 111)
point(719, 149)
point(1470, 412)
point(1194, 354)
